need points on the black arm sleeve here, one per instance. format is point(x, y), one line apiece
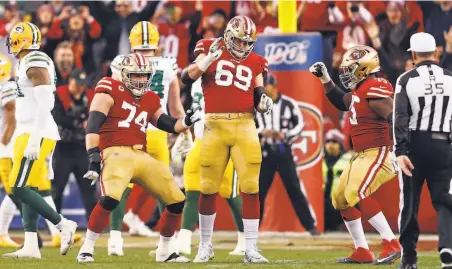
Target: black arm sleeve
point(258, 92)
point(391, 130)
point(95, 120)
point(336, 97)
point(167, 123)
point(401, 117)
point(185, 77)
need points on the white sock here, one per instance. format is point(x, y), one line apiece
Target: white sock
point(355, 228)
point(251, 230)
point(206, 228)
point(7, 209)
point(31, 240)
point(53, 230)
point(90, 241)
point(380, 224)
point(115, 234)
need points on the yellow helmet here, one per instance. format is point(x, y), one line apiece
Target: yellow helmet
point(24, 36)
point(357, 63)
point(5, 68)
point(144, 36)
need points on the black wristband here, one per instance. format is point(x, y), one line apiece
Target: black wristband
point(94, 155)
point(166, 123)
point(257, 94)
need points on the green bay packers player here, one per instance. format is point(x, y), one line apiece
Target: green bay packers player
point(37, 134)
point(7, 128)
point(229, 188)
point(144, 39)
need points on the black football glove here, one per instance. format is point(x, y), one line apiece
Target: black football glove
point(192, 115)
point(94, 165)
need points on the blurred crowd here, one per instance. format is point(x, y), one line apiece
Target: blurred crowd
point(83, 38)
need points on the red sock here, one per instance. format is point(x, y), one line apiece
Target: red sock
point(99, 219)
point(250, 206)
point(170, 223)
point(207, 204)
point(369, 207)
point(350, 214)
point(139, 196)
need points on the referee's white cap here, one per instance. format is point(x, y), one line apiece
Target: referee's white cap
point(422, 42)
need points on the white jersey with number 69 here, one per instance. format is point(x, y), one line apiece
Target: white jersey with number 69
point(164, 69)
point(26, 103)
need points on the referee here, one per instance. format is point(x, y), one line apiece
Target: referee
point(422, 126)
point(277, 130)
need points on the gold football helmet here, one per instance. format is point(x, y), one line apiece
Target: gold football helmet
point(240, 36)
point(5, 69)
point(144, 36)
point(357, 63)
point(136, 73)
point(23, 36)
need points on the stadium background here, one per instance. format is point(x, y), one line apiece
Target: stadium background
point(289, 56)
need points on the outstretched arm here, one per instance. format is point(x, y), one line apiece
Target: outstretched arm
point(336, 95)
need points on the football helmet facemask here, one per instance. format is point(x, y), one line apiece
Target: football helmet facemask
point(240, 36)
point(357, 63)
point(136, 73)
point(23, 36)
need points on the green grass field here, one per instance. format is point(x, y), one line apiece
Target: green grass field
point(283, 252)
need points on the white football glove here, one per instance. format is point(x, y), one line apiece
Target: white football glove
point(265, 104)
point(192, 115)
point(319, 70)
point(214, 53)
point(182, 146)
point(394, 162)
point(32, 149)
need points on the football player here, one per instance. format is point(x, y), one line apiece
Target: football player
point(7, 128)
point(37, 134)
point(370, 104)
point(232, 82)
point(229, 188)
point(119, 115)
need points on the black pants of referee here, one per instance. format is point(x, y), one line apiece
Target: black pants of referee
point(281, 161)
point(72, 158)
point(431, 155)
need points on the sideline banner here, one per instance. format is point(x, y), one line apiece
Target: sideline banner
point(289, 57)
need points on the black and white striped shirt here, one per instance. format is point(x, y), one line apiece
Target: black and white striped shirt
point(285, 117)
point(422, 103)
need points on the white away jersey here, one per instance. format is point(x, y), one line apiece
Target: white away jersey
point(8, 94)
point(26, 104)
point(198, 99)
point(165, 69)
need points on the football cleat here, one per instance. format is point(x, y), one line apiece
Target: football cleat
point(143, 230)
point(166, 252)
point(56, 240)
point(205, 253)
point(446, 258)
point(184, 241)
point(391, 252)
point(240, 248)
point(7, 242)
point(253, 256)
point(24, 254)
point(67, 234)
point(359, 255)
point(85, 258)
point(404, 265)
point(115, 247)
